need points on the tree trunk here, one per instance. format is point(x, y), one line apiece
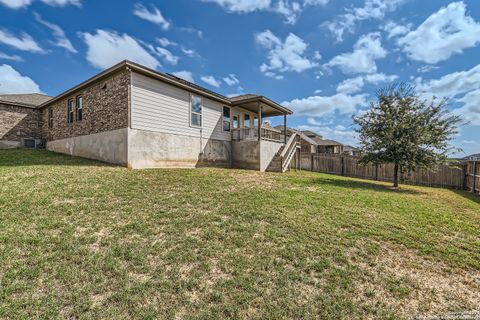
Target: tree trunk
point(395, 176)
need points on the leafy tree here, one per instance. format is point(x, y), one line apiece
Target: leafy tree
point(403, 129)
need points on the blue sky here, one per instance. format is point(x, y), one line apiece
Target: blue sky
point(322, 58)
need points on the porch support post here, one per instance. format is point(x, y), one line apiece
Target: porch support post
point(285, 128)
point(259, 121)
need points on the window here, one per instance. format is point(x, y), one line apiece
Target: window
point(50, 118)
point(255, 121)
point(196, 111)
point(79, 108)
point(226, 119)
point(246, 121)
point(71, 104)
point(235, 121)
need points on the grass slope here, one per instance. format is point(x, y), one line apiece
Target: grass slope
point(84, 240)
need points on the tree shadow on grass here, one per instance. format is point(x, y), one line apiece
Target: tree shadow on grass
point(365, 185)
point(468, 195)
point(35, 157)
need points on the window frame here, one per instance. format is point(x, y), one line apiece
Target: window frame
point(50, 118)
point(70, 111)
point(78, 109)
point(255, 119)
point(237, 116)
point(192, 96)
point(229, 119)
point(245, 120)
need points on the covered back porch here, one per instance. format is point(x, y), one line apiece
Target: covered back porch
point(255, 144)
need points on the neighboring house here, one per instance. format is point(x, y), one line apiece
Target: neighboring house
point(137, 117)
point(324, 145)
point(20, 119)
point(329, 146)
point(351, 151)
point(307, 144)
point(473, 157)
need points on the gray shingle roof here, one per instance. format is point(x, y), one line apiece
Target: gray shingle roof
point(29, 99)
point(325, 142)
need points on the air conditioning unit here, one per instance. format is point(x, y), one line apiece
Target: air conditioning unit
point(32, 143)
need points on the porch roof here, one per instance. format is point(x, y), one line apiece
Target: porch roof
point(251, 101)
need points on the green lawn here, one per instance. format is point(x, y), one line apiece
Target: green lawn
point(83, 240)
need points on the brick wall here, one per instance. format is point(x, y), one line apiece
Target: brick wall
point(18, 122)
point(105, 108)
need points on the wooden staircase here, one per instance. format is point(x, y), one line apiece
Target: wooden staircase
point(282, 160)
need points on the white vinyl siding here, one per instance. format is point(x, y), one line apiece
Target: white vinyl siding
point(160, 107)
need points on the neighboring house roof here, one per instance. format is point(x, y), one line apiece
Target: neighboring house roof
point(311, 134)
point(325, 142)
point(473, 157)
point(32, 100)
point(350, 148)
point(300, 133)
point(172, 80)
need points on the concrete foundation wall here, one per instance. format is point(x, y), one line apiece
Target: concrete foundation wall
point(149, 149)
point(268, 151)
point(6, 144)
point(108, 146)
point(246, 154)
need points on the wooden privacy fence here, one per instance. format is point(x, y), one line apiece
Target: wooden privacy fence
point(463, 175)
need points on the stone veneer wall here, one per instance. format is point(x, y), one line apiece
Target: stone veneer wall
point(17, 123)
point(105, 108)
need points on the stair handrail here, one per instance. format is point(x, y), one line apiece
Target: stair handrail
point(287, 150)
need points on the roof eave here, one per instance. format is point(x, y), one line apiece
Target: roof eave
point(265, 100)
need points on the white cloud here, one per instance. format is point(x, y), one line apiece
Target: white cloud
point(105, 48)
point(452, 84)
point(189, 52)
point(62, 3)
point(394, 30)
point(354, 85)
point(154, 16)
point(61, 39)
point(446, 32)
point(372, 9)
point(283, 56)
point(11, 81)
point(17, 4)
point(471, 107)
point(462, 87)
point(166, 55)
point(211, 81)
point(165, 42)
point(426, 69)
point(289, 9)
point(185, 75)
point(362, 60)
point(25, 42)
point(318, 106)
point(231, 80)
point(5, 56)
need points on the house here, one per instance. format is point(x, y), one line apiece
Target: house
point(474, 157)
point(324, 145)
point(20, 119)
point(137, 117)
point(351, 151)
point(307, 144)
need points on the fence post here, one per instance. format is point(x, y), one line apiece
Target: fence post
point(465, 175)
point(311, 162)
point(343, 165)
point(376, 171)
